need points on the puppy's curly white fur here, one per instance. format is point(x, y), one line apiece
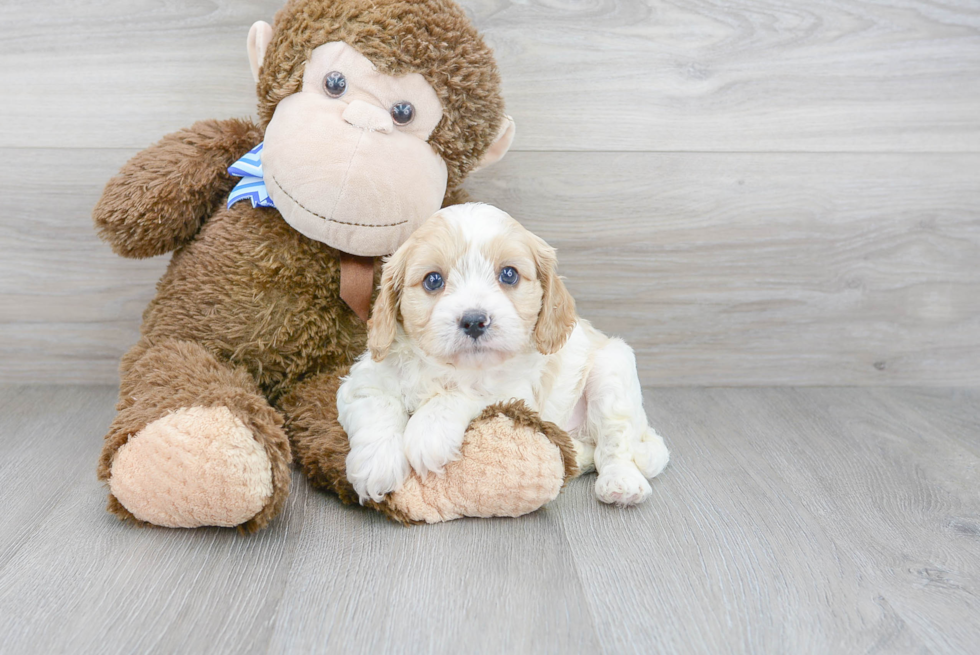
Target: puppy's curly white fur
point(472, 312)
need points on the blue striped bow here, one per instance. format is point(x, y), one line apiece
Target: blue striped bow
point(252, 184)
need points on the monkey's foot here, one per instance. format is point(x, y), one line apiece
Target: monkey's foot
point(511, 463)
point(193, 467)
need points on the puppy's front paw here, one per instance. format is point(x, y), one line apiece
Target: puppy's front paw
point(376, 467)
point(622, 484)
point(430, 444)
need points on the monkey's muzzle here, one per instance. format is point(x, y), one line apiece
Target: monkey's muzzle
point(361, 191)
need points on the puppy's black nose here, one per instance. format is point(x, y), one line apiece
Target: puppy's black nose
point(474, 324)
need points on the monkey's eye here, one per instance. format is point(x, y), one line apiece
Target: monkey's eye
point(509, 276)
point(402, 113)
point(335, 84)
point(433, 281)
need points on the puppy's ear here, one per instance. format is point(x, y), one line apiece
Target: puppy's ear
point(384, 315)
point(557, 317)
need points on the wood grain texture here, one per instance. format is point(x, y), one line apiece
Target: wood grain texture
point(735, 269)
point(495, 586)
point(756, 193)
point(761, 75)
point(68, 306)
point(790, 520)
point(862, 522)
point(718, 269)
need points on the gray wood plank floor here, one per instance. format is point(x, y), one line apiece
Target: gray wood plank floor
point(822, 520)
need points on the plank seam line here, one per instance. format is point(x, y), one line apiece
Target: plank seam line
point(950, 153)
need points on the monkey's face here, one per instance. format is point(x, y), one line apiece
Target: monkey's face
point(346, 160)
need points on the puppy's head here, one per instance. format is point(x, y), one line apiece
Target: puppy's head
point(472, 288)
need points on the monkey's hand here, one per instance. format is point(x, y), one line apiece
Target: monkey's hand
point(511, 463)
point(435, 432)
point(163, 195)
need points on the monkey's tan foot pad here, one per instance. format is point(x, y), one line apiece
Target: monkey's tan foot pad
point(511, 464)
point(194, 467)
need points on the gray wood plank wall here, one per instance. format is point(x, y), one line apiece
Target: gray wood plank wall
point(750, 193)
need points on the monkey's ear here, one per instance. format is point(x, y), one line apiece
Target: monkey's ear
point(501, 145)
point(259, 37)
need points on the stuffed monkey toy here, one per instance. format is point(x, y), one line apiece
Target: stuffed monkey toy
point(371, 115)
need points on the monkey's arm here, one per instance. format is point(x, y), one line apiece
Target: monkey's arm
point(160, 198)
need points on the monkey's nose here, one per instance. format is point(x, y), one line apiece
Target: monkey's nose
point(368, 117)
point(474, 323)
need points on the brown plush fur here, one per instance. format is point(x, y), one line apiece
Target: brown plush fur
point(175, 374)
point(248, 314)
point(180, 182)
point(431, 37)
point(257, 293)
point(319, 443)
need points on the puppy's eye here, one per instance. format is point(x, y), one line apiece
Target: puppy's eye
point(403, 113)
point(509, 276)
point(432, 282)
point(335, 84)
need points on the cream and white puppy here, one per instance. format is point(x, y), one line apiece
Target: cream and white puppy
point(472, 312)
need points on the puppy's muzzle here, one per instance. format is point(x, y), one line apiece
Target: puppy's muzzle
point(474, 323)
